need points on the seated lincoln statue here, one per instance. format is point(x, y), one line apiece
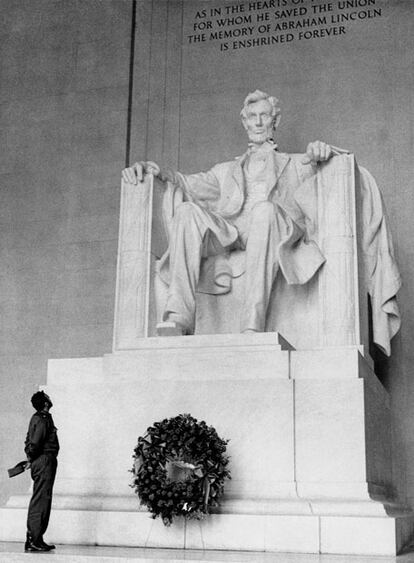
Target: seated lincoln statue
point(246, 204)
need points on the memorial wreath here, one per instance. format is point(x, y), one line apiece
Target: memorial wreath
point(180, 467)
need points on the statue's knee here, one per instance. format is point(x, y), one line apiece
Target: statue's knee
point(185, 212)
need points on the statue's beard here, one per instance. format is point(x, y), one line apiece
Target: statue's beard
point(260, 137)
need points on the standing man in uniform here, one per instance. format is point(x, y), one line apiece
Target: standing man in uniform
point(41, 447)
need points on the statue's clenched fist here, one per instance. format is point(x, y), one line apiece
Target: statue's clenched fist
point(317, 151)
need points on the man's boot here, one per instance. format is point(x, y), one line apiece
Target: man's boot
point(27, 542)
point(49, 546)
point(34, 547)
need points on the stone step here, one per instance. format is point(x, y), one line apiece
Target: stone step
point(13, 553)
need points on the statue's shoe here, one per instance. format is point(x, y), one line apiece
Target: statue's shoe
point(171, 328)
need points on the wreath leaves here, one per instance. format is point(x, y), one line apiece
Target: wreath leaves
point(180, 467)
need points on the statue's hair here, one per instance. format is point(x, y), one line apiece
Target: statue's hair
point(38, 400)
point(257, 96)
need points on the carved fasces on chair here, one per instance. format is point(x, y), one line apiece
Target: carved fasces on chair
point(134, 264)
point(342, 293)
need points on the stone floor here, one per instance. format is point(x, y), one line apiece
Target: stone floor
point(13, 553)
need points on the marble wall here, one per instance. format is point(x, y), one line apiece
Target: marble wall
point(63, 104)
point(64, 114)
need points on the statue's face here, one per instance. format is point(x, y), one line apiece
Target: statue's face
point(259, 121)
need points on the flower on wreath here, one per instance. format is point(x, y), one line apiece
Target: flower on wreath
point(180, 467)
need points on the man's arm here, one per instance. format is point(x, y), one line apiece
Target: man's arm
point(35, 438)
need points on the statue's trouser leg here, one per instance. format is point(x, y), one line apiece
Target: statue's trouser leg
point(191, 226)
point(262, 263)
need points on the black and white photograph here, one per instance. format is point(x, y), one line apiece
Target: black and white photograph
point(206, 281)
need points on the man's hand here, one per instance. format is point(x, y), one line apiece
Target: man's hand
point(136, 172)
point(317, 152)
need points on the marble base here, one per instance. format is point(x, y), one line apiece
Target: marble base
point(309, 446)
point(278, 533)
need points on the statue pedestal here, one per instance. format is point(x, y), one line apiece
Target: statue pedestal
point(309, 428)
point(309, 444)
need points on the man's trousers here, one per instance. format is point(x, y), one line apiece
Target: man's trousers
point(43, 472)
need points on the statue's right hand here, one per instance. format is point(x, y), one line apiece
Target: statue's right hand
point(136, 172)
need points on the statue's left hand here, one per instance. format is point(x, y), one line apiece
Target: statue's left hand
point(317, 151)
